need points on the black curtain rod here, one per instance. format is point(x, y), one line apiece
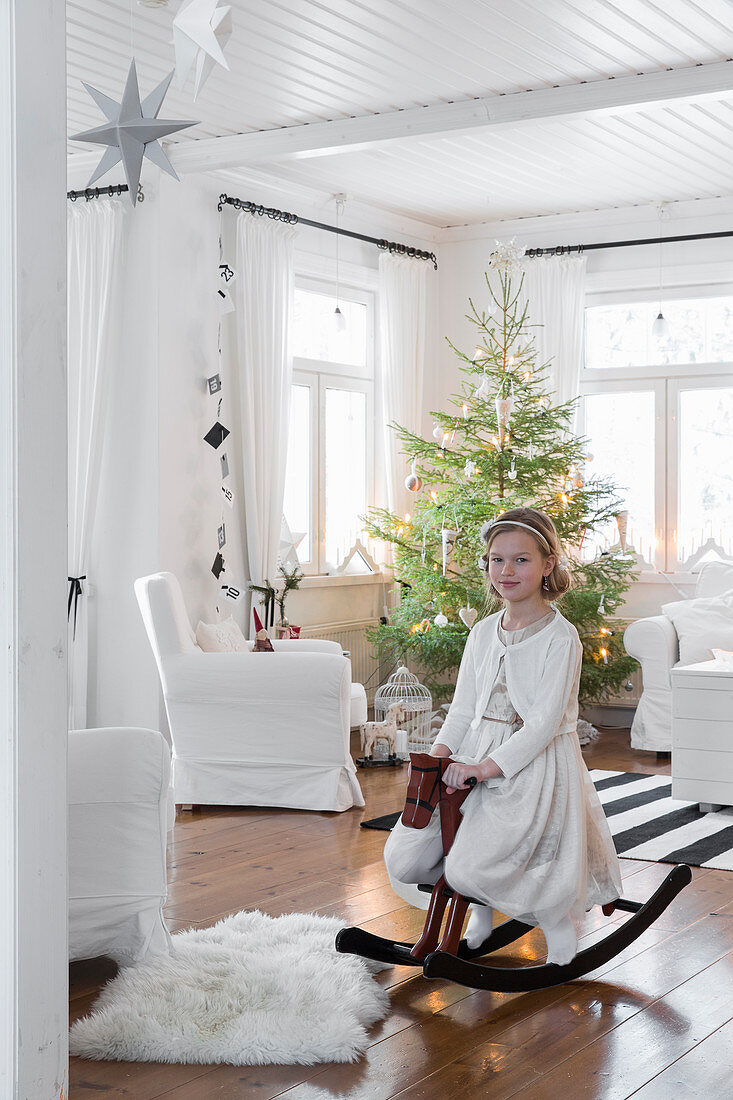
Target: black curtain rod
point(564, 249)
point(295, 219)
point(101, 192)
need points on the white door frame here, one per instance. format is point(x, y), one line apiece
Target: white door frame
point(33, 552)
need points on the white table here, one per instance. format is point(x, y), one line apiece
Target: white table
point(702, 734)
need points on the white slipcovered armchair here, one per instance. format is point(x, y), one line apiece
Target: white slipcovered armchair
point(653, 642)
point(118, 799)
point(251, 729)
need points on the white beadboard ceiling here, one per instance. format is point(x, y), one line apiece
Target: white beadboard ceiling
point(296, 62)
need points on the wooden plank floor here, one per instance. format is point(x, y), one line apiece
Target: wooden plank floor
point(656, 1021)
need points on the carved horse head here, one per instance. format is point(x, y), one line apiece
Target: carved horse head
point(423, 788)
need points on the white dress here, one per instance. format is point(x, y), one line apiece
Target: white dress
point(534, 845)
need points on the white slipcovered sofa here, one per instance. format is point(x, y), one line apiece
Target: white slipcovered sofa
point(118, 800)
point(653, 642)
point(251, 729)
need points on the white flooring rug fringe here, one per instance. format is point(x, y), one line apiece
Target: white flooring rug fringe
point(647, 823)
point(250, 990)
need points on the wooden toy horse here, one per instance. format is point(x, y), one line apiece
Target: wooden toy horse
point(451, 957)
point(387, 730)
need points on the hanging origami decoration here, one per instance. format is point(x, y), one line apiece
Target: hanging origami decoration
point(216, 435)
point(201, 30)
point(132, 131)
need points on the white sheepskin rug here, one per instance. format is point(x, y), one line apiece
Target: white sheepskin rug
point(251, 990)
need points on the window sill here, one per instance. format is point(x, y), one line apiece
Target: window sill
point(323, 581)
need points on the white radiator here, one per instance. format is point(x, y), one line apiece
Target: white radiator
point(365, 667)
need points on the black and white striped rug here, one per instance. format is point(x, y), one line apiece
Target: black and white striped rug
point(647, 823)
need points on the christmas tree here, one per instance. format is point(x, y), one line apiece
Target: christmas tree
point(505, 444)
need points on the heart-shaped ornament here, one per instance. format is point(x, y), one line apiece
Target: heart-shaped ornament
point(468, 615)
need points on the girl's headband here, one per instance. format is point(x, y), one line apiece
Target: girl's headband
point(488, 527)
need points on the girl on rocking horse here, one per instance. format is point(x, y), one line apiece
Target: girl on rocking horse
point(534, 842)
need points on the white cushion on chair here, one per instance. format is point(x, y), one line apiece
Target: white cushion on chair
point(702, 625)
point(224, 637)
point(358, 705)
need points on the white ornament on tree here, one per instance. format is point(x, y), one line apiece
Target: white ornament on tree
point(201, 30)
point(507, 257)
point(132, 131)
point(504, 407)
point(448, 536)
point(483, 390)
point(467, 615)
point(470, 468)
point(438, 432)
point(440, 619)
point(413, 481)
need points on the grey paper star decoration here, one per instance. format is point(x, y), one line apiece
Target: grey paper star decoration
point(132, 131)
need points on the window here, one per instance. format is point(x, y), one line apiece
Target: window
point(328, 480)
point(658, 413)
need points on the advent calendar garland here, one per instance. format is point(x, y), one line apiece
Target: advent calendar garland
point(215, 437)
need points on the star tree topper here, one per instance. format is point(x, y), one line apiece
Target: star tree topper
point(132, 131)
point(201, 30)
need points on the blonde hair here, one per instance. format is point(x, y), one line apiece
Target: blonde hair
point(541, 527)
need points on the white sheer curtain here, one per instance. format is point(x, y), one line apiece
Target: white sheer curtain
point(263, 294)
point(404, 301)
point(554, 287)
point(94, 260)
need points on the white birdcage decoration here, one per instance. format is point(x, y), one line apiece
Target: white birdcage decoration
point(405, 688)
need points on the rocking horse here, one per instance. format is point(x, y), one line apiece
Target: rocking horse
point(450, 957)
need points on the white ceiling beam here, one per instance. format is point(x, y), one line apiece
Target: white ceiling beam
point(347, 135)
point(369, 131)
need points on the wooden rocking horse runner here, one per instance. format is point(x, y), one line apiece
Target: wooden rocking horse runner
point(451, 957)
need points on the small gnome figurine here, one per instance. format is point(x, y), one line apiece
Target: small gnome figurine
point(262, 641)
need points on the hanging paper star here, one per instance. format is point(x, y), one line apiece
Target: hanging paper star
point(289, 541)
point(132, 131)
point(201, 30)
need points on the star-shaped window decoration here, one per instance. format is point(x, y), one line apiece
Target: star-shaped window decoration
point(132, 130)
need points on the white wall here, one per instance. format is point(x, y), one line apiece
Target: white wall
point(464, 258)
